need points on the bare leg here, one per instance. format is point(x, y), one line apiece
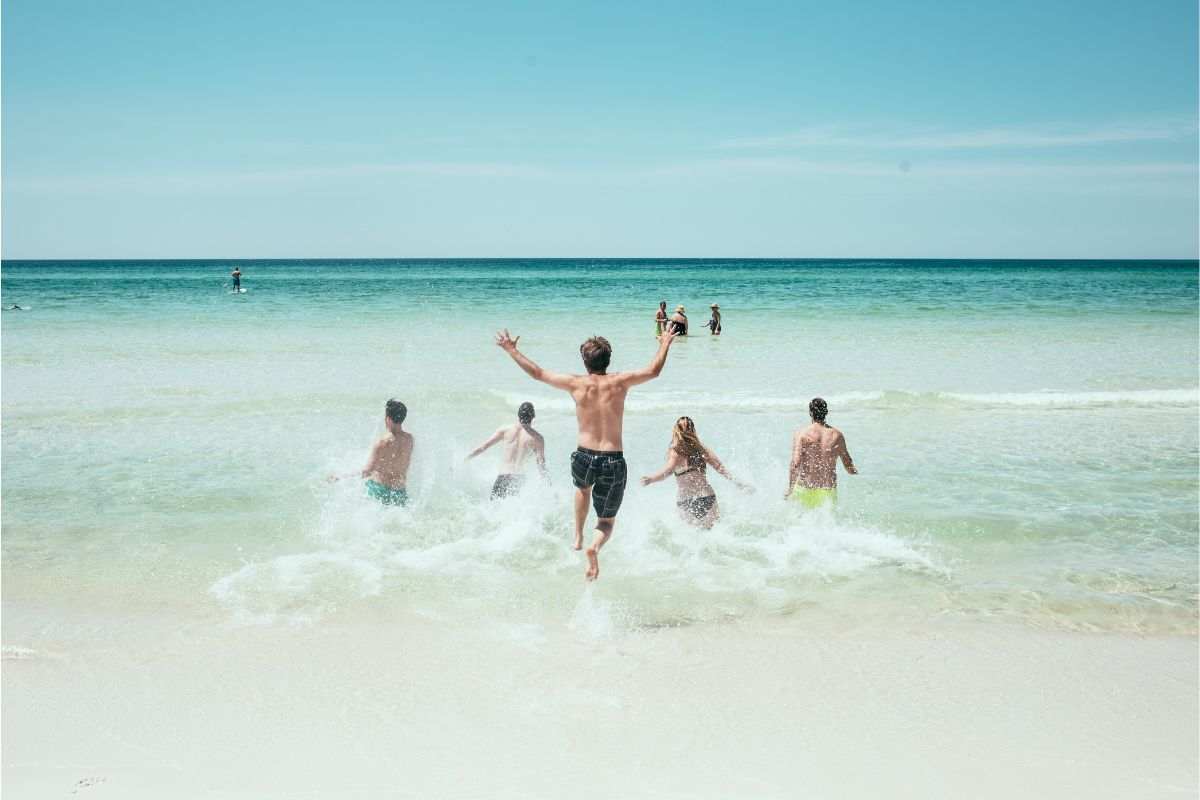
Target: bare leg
point(582, 498)
point(711, 517)
point(604, 529)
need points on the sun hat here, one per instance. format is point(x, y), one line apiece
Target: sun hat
point(714, 305)
point(679, 308)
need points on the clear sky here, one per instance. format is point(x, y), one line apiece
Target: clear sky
point(143, 129)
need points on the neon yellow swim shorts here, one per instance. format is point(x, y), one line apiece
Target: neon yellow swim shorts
point(814, 498)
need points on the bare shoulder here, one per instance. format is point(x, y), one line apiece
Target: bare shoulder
point(621, 378)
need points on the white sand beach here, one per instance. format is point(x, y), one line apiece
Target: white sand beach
point(411, 707)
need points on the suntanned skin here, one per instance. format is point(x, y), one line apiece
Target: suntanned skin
point(600, 412)
point(390, 457)
point(519, 442)
point(694, 484)
point(815, 453)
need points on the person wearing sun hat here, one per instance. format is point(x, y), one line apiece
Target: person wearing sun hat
point(679, 321)
point(714, 324)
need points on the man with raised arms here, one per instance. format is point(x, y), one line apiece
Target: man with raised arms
point(812, 474)
point(597, 465)
point(519, 441)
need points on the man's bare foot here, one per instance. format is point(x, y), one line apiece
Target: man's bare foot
point(593, 570)
point(578, 542)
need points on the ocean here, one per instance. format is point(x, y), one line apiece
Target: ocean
point(1026, 434)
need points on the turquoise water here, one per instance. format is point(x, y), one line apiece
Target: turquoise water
point(1026, 433)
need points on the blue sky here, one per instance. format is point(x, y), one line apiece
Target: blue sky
point(796, 129)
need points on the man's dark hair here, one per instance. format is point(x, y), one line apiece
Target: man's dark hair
point(525, 413)
point(396, 411)
point(817, 409)
point(596, 353)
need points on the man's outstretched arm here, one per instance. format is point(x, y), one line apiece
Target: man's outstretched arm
point(655, 367)
point(509, 345)
point(495, 437)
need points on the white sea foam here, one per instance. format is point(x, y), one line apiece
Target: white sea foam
point(296, 588)
point(650, 402)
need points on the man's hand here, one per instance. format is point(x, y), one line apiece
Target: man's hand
point(668, 336)
point(506, 342)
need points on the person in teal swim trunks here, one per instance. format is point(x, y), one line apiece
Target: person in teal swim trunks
point(386, 472)
point(812, 473)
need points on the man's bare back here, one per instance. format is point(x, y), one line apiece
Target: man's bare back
point(389, 460)
point(600, 409)
point(815, 453)
point(519, 443)
point(816, 450)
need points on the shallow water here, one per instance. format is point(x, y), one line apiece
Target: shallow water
point(1026, 434)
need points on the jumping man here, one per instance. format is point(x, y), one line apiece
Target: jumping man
point(597, 465)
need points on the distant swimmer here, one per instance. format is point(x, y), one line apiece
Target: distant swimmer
point(237, 279)
point(812, 475)
point(714, 324)
point(688, 461)
point(13, 307)
point(386, 471)
point(520, 440)
point(598, 464)
point(679, 322)
point(660, 318)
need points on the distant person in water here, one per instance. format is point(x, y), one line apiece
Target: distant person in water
point(386, 471)
point(14, 307)
point(688, 460)
point(679, 322)
point(714, 324)
point(520, 440)
point(812, 474)
point(660, 318)
point(237, 279)
point(598, 464)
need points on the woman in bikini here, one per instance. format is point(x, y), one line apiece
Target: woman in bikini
point(688, 461)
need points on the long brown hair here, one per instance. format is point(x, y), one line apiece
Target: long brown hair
point(685, 441)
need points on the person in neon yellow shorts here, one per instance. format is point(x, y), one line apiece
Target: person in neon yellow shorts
point(812, 473)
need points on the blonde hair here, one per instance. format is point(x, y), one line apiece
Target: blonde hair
point(685, 441)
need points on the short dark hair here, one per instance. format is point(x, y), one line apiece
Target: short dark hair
point(396, 411)
point(817, 409)
point(596, 353)
point(525, 413)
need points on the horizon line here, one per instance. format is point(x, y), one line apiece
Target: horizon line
point(606, 258)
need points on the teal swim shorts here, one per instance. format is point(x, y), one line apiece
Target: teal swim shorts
point(387, 495)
